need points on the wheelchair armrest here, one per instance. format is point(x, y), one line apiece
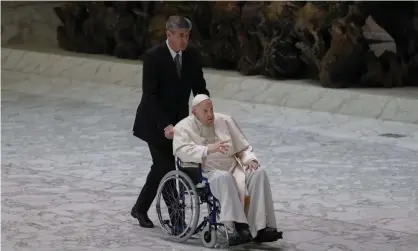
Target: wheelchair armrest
point(193, 170)
point(180, 164)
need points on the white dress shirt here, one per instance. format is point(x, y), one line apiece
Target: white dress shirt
point(173, 53)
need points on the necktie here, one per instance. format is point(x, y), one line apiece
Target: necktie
point(178, 64)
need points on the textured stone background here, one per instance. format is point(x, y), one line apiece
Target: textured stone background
point(34, 24)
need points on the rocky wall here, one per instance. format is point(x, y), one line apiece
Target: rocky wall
point(29, 22)
point(320, 40)
point(336, 42)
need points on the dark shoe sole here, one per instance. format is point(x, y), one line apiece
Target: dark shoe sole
point(135, 216)
point(277, 237)
point(240, 241)
point(235, 240)
point(246, 241)
point(234, 243)
point(145, 225)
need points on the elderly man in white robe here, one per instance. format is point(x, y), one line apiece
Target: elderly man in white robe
point(233, 171)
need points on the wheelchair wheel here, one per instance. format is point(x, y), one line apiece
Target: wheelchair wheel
point(209, 237)
point(180, 188)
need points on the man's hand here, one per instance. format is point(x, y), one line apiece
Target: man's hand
point(253, 164)
point(169, 132)
point(221, 147)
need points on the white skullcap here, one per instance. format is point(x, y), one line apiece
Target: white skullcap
point(199, 98)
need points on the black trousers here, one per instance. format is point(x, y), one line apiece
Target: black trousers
point(162, 163)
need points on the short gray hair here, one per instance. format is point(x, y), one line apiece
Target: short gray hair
point(178, 22)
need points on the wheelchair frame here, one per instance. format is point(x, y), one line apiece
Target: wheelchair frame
point(199, 186)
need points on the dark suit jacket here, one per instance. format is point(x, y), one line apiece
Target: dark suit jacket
point(165, 97)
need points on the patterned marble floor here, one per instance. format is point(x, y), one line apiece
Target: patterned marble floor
point(71, 171)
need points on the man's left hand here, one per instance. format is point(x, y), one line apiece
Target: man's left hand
point(253, 165)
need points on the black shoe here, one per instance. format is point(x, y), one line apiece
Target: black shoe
point(143, 219)
point(246, 236)
point(278, 233)
point(234, 238)
point(268, 235)
point(239, 237)
point(244, 232)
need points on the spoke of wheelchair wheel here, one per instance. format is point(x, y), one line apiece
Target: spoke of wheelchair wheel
point(172, 198)
point(170, 188)
point(177, 189)
point(173, 191)
point(183, 189)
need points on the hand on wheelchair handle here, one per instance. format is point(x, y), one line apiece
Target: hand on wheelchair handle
point(221, 147)
point(169, 132)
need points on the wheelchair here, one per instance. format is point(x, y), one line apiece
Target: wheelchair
point(188, 184)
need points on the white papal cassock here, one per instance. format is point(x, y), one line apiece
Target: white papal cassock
point(228, 180)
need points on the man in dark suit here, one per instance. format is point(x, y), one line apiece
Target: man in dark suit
point(170, 72)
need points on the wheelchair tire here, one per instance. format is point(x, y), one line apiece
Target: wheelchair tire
point(196, 205)
point(209, 237)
